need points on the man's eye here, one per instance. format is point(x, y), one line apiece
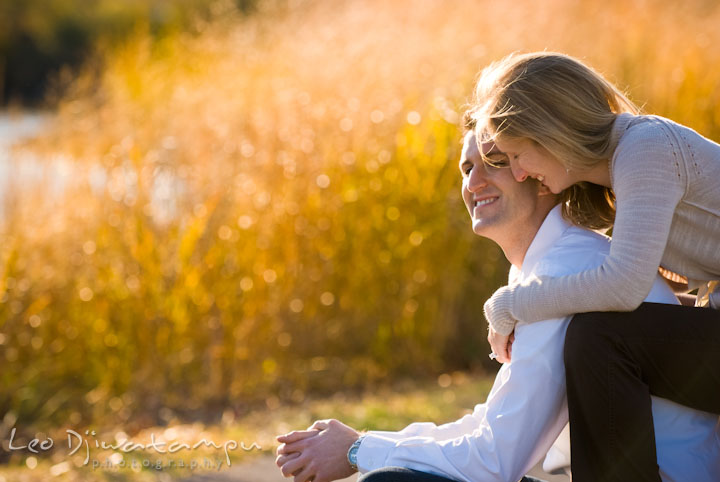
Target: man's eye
point(497, 162)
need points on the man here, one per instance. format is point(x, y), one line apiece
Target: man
point(527, 408)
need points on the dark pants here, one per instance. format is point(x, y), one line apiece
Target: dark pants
point(401, 474)
point(614, 362)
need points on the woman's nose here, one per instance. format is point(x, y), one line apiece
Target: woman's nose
point(518, 172)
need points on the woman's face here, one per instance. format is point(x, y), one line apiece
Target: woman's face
point(529, 159)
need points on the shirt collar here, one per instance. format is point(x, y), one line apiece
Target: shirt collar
point(550, 231)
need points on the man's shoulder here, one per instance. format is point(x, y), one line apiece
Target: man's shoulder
point(577, 249)
point(580, 249)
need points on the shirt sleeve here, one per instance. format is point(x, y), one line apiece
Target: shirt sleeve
point(439, 432)
point(504, 437)
point(649, 182)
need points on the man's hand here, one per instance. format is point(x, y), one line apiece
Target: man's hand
point(501, 345)
point(318, 454)
point(291, 439)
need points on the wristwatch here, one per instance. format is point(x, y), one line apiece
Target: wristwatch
point(352, 453)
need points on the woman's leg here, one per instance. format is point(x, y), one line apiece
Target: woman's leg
point(614, 362)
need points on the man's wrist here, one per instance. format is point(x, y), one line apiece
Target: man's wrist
point(352, 452)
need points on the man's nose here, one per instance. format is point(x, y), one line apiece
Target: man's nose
point(478, 179)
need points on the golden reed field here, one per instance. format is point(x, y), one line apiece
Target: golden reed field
point(270, 209)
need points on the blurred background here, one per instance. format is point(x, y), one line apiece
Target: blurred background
point(212, 207)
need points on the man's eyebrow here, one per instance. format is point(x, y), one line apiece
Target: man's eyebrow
point(495, 151)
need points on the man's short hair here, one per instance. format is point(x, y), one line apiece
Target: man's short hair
point(468, 122)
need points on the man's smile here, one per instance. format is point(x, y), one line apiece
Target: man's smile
point(477, 203)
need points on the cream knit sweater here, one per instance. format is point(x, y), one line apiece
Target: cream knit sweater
point(666, 179)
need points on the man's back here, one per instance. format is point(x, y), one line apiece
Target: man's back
point(688, 441)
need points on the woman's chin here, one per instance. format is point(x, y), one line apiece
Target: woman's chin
point(553, 190)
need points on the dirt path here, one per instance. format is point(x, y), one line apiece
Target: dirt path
point(259, 469)
point(263, 469)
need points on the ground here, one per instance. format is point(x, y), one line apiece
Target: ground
point(263, 469)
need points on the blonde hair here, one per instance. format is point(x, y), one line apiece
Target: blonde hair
point(564, 106)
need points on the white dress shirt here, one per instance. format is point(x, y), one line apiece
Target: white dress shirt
point(526, 410)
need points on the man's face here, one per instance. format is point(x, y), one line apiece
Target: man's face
point(499, 206)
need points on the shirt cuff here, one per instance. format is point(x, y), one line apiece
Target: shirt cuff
point(373, 452)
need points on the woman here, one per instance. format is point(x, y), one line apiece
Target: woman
point(561, 123)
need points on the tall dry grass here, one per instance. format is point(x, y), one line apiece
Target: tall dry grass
point(272, 208)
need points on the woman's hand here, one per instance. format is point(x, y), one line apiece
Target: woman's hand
point(501, 345)
point(501, 323)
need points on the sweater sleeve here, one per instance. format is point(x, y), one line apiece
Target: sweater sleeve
point(649, 182)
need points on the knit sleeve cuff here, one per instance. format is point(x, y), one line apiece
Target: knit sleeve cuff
point(498, 311)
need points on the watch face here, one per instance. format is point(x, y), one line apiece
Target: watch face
point(352, 453)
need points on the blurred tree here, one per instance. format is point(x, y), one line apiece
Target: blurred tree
point(40, 37)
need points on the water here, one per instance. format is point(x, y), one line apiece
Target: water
point(17, 126)
point(19, 169)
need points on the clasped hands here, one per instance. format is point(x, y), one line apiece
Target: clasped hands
point(318, 454)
